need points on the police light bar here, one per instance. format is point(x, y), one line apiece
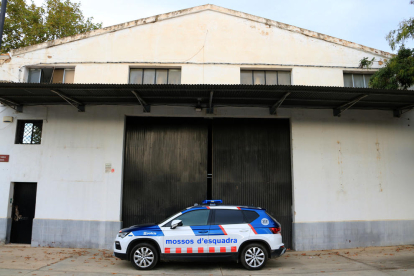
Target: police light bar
point(213, 201)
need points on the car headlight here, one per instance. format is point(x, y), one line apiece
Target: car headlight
point(122, 234)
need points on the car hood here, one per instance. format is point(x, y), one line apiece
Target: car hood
point(146, 226)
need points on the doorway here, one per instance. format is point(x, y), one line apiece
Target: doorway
point(172, 163)
point(23, 212)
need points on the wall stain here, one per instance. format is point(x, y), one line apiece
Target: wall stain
point(377, 144)
point(380, 180)
point(341, 171)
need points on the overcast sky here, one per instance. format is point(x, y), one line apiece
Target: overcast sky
point(366, 22)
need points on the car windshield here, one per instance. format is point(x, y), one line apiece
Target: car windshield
point(170, 217)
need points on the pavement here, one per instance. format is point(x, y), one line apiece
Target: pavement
point(25, 260)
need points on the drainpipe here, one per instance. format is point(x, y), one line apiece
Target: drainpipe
point(2, 16)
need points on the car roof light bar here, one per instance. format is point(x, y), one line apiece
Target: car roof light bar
point(213, 201)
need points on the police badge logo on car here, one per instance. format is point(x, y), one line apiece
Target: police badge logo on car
point(210, 231)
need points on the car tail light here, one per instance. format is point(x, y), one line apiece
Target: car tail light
point(276, 230)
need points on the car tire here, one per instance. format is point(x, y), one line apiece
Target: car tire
point(144, 256)
point(253, 256)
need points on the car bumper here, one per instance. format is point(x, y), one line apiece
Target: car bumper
point(278, 252)
point(121, 256)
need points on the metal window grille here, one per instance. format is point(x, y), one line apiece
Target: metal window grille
point(29, 131)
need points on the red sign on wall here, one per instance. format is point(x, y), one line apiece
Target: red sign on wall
point(4, 158)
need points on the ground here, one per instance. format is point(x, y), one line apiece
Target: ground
point(23, 260)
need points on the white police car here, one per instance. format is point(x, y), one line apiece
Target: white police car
point(210, 231)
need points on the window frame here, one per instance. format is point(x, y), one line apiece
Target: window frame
point(33, 69)
point(19, 135)
point(209, 219)
point(357, 73)
point(41, 73)
point(266, 70)
point(155, 74)
point(64, 73)
point(245, 217)
point(213, 220)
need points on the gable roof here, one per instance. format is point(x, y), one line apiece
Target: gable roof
point(174, 14)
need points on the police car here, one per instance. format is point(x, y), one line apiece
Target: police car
point(210, 231)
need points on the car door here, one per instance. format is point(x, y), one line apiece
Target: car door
point(228, 231)
point(183, 239)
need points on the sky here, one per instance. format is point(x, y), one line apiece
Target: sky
point(366, 22)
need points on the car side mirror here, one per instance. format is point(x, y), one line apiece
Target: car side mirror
point(175, 223)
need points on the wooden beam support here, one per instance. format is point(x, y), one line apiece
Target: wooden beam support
point(340, 109)
point(273, 109)
point(11, 104)
point(76, 104)
point(146, 107)
point(210, 109)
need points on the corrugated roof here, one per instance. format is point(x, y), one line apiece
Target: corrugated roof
point(223, 95)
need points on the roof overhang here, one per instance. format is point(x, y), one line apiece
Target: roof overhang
point(339, 99)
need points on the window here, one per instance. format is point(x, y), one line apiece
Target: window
point(155, 76)
point(357, 80)
point(222, 217)
point(63, 76)
point(51, 75)
point(258, 77)
point(193, 218)
point(250, 216)
point(29, 132)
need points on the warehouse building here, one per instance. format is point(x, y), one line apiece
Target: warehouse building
point(131, 123)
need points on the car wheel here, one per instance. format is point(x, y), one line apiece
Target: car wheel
point(254, 256)
point(144, 256)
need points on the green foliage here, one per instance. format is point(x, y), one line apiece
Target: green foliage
point(404, 32)
point(28, 24)
point(366, 63)
point(398, 72)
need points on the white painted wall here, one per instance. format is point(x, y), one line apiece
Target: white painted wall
point(356, 167)
point(210, 46)
point(69, 165)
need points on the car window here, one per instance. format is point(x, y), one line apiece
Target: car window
point(193, 218)
point(271, 217)
point(228, 217)
point(250, 216)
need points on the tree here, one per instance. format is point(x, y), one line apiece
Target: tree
point(404, 32)
point(398, 72)
point(28, 24)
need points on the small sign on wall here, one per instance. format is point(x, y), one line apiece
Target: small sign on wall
point(108, 167)
point(4, 158)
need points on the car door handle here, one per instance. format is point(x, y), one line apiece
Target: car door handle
point(204, 231)
point(244, 230)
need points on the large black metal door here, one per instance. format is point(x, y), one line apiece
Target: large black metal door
point(24, 204)
point(165, 167)
point(252, 166)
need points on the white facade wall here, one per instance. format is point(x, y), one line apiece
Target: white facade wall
point(352, 176)
point(209, 46)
